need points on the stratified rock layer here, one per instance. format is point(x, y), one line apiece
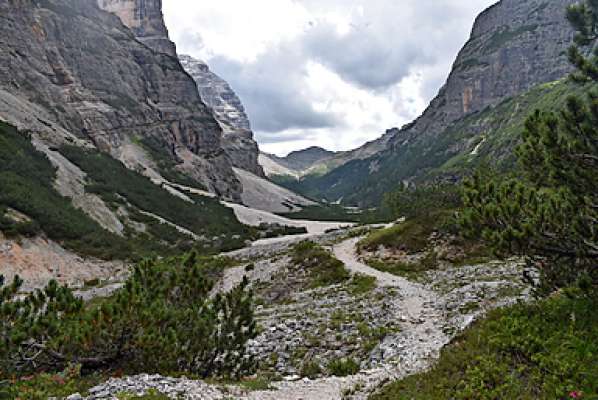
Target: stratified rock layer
point(70, 70)
point(237, 138)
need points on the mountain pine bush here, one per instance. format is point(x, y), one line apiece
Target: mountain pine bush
point(162, 320)
point(550, 213)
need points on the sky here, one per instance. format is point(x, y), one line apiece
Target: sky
point(328, 73)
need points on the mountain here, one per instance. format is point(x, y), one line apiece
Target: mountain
point(107, 149)
point(514, 46)
point(317, 161)
point(296, 163)
point(237, 138)
point(73, 73)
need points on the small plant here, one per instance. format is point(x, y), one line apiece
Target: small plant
point(343, 367)
point(323, 268)
point(361, 284)
point(311, 369)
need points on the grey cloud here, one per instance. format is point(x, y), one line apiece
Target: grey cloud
point(277, 137)
point(272, 90)
point(389, 41)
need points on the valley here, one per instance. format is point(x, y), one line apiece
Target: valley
point(388, 327)
point(151, 249)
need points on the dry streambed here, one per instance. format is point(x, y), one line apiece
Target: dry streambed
point(393, 329)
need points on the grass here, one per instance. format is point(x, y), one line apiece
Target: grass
point(411, 271)
point(361, 284)
point(410, 236)
point(43, 386)
point(152, 394)
point(343, 367)
point(323, 268)
point(541, 351)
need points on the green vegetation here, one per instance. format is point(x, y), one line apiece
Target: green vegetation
point(166, 163)
point(546, 211)
point(323, 268)
point(325, 212)
point(549, 212)
point(311, 370)
point(417, 202)
point(343, 367)
point(26, 180)
point(60, 384)
point(449, 155)
point(163, 320)
point(540, 351)
point(117, 184)
point(362, 284)
point(409, 270)
point(151, 395)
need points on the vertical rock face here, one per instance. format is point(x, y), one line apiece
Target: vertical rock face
point(68, 66)
point(145, 19)
point(514, 45)
point(237, 138)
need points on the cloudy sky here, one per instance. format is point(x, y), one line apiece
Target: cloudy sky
point(331, 73)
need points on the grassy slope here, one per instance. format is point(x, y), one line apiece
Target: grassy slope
point(26, 181)
point(541, 351)
point(26, 185)
point(428, 157)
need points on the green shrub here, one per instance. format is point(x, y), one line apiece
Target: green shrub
point(343, 367)
point(311, 369)
point(361, 284)
point(323, 268)
point(26, 185)
point(163, 320)
point(207, 216)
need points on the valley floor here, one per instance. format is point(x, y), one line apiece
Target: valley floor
point(390, 330)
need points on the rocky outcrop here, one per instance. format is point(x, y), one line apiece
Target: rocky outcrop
point(145, 19)
point(72, 73)
point(237, 139)
point(514, 45)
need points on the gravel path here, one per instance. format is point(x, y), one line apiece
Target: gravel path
point(346, 252)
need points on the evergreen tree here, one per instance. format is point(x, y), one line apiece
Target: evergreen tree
point(550, 213)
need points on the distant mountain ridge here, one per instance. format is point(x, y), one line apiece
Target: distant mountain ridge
point(514, 46)
point(317, 161)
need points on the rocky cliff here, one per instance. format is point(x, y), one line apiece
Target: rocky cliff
point(73, 73)
point(515, 45)
point(145, 19)
point(237, 139)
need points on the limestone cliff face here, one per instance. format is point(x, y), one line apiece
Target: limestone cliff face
point(70, 71)
point(514, 45)
point(237, 139)
point(145, 19)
